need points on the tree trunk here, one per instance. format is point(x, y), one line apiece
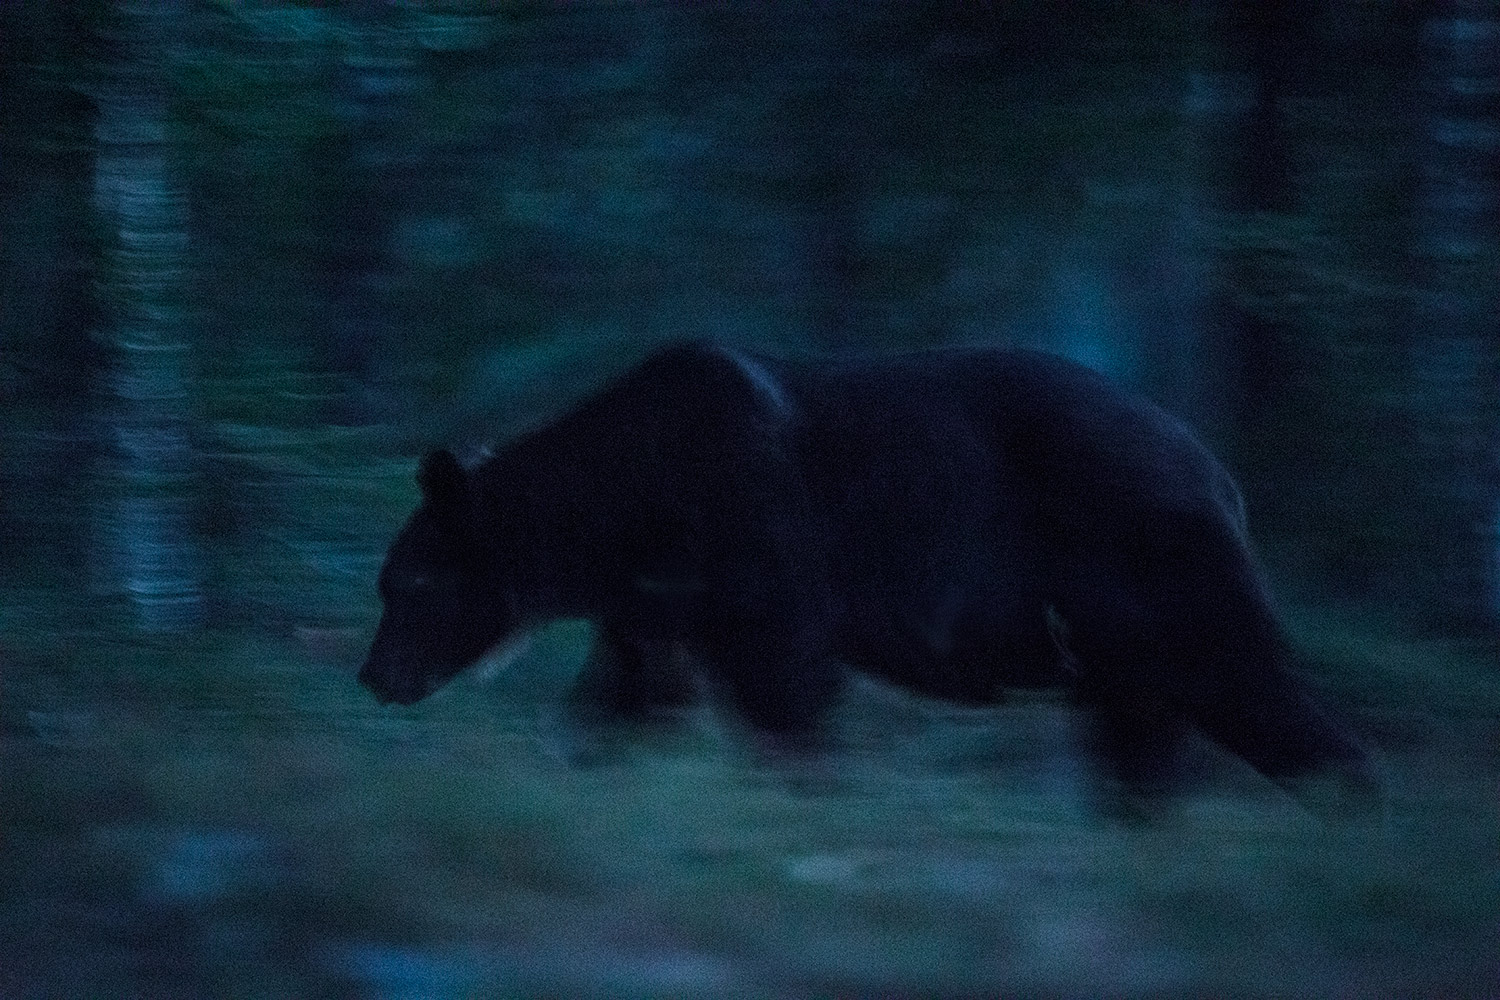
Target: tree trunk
point(1261, 182)
point(154, 559)
point(374, 76)
point(1455, 353)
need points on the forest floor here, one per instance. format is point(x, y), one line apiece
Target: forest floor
point(234, 817)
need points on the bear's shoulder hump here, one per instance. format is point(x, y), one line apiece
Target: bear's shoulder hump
point(704, 366)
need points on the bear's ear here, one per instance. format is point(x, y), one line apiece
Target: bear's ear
point(443, 480)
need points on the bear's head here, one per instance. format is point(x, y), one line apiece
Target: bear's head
point(444, 606)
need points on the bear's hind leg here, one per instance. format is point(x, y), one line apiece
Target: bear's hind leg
point(1211, 652)
point(1128, 679)
point(1267, 717)
point(1132, 732)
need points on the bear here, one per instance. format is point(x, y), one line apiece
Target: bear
point(957, 521)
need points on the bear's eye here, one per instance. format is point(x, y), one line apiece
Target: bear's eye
point(410, 586)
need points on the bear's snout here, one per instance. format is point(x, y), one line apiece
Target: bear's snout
point(390, 685)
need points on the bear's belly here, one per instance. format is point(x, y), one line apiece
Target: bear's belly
point(970, 652)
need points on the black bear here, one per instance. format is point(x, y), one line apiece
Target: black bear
point(935, 519)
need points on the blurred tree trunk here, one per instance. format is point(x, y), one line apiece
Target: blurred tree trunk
point(1187, 351)
point(153, 556)
point(831, 124)
point(1253, 63)
point(49, 359)
point(1266, 35)
point(1455, 348)
point(375, 175)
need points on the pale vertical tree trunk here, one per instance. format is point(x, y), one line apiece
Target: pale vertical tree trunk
point(145, 503)
point(1455, 358)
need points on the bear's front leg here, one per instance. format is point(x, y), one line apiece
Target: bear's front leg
point(629, 678)
point(626, 682)
point(770, 662)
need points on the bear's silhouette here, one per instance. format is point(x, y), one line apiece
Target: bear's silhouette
point(933, 519)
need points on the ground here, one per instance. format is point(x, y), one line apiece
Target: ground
point(225, 819)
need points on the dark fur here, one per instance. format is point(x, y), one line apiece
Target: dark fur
point(914, 517)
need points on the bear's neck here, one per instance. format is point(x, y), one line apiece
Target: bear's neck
point(549, 546)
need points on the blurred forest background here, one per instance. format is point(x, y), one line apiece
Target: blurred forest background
point(256, 257)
